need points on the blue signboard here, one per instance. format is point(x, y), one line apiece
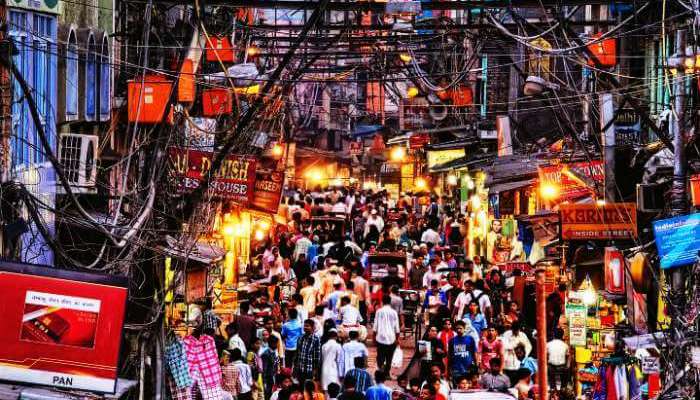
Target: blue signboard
point(678, 240)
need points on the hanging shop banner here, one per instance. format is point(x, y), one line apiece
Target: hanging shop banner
point(418, 141)
point(268, 191)
point(678, 240)
point(356, 148)
point(575, 179)
point(595, 221)
point(234, 181)
point(577, 315)
point(47, 6)
point(60, 328)
point(437, 157)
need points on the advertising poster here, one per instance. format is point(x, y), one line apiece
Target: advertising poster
point(268, 191)
point(677, 240)
point(234, 181)
point(594, 222)
point(60, 328)
point(577, 314)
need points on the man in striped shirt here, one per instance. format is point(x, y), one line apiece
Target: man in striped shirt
point(362, 378)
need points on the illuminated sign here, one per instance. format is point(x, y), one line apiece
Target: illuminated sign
point(60, 328)
point(593, 221)
point(437, 157)
point(234, 180)
point(678, 240)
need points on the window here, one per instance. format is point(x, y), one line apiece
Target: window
point(105, 80)
point(91, 80)
point(72, 77)
point(34, 36)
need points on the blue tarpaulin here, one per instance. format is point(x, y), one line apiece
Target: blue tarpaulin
point(366, 130)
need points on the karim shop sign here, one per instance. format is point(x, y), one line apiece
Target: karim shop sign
point(677, 240)
point(437, 157)
point(594, 222)
point(234, 180)
point(575, 179)
point(60, 328)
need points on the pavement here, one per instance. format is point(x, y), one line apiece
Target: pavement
point(407, 344)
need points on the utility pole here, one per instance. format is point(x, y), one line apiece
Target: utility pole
point(679, 204)
point(607, 113)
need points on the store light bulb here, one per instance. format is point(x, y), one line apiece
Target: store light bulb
point(470, 182)
point(252, 51)
point(475, 202)
point(421, 184)
point(452, 180)
point(277, 150)
point(264, 225)
point(405, 57)
point(549, 191)
point(259, 235)
point(229, 230)
point(398, 154)
point(412, 92)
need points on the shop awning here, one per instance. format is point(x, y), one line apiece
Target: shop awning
point(205, 253)
point(366, 130)
point(507, 186)
point(400, 139)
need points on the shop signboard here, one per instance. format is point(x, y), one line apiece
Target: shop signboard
point(355, 148)
point(677, 240)
point(234, 180)
point(628, 127)
point(47, 6)
point(60, 328)
point(268, 191)
point(418, 141)
point(651, 365)
point(574, 179)
point(598, 221)
point(437, 157)
point(577, 315)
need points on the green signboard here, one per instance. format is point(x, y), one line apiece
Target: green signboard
point(47, 6)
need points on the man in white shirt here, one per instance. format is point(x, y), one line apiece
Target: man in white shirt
point(386, 329)
point(511, 339)
point(339, 207)
point(350, 320)
point(430, 236)
point(353, 349)
point(432, 274)
point(374, 219)
point(471, 294)
point(558, 359)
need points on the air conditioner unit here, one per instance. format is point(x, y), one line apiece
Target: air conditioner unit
point(78, 156)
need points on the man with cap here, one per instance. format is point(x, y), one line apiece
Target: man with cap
point(374, 219)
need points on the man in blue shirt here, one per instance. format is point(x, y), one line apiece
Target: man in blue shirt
point(378, 391)
point(362, 378)
point(291, 332)
point(462, 350)
point(526, 362)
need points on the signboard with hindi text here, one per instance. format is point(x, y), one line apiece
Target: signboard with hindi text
point(598, 221)
point(61, 328)
point(234, 180)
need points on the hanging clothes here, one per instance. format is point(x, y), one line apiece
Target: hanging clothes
point(617, 382)
point(176, 362)
point(204, 366)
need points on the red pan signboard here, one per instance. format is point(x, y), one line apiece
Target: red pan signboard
point(60, 328)
point(268, 191)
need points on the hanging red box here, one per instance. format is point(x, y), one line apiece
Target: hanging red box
point(220, 48)
point(695, 190)
point(605, 51)
point(462, 96)
point(216, 102)
point(185, 82)
point(148, 98)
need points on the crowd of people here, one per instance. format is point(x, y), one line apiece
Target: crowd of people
point(304, 333)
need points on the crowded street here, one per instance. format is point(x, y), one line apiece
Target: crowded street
point(350, 200)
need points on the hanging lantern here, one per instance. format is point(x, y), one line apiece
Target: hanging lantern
point(614, 271)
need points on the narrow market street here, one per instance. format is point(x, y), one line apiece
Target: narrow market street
point(349, 200)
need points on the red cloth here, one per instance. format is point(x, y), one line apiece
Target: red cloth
point(611, 393)
point(203, 360)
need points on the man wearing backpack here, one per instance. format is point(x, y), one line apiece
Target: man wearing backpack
point(471, 294)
